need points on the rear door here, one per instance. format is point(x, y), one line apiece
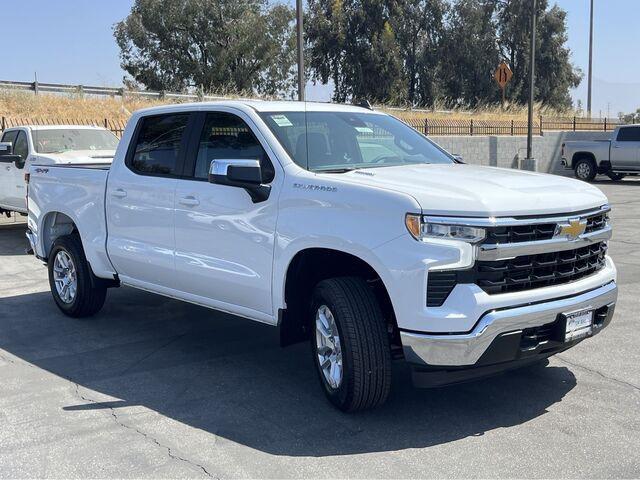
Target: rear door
point(625, 149)
point(140, 202)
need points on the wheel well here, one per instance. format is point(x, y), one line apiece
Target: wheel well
point(55, 225)
point(311, 266)
point(583, 155)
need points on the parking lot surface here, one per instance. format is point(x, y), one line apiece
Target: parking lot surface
point(155, 388)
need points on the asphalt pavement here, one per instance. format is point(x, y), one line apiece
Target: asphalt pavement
point(155, 388)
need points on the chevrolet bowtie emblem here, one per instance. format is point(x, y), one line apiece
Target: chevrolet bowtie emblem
point(573, 229)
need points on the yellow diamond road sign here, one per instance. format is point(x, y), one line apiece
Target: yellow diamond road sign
point(503, 74)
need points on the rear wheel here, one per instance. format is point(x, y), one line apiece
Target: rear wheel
point(70, 279)
point(616, 176)
point(585, 169)
point(350, 345)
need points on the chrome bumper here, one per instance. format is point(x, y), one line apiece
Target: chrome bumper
point(466, 349)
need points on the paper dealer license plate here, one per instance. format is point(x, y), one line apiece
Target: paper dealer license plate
point(579, 324)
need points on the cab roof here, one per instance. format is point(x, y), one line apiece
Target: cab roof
point(260, 106)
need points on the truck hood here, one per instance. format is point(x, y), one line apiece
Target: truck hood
point(75, 156)
point(467, 190)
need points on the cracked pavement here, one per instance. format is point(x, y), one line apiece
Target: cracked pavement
point(155, 388)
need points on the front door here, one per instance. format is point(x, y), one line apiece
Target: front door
point(625, 149)
point(140, 202)
point(224, 241)
point(14, 193)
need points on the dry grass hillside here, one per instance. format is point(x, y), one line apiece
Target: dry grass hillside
point(21, 104)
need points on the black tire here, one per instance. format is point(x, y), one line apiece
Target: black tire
point(585, 169)
point(89, 298)
point(616, 176)
point(366, 354)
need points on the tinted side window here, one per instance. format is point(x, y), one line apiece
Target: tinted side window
point(158, 144)
point(21, 147)
point(226, 136)
point(10, 137)
point(629, 134)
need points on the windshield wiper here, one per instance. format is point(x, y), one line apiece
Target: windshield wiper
point(334, 170)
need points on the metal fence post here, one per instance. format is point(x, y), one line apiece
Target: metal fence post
point(512, 127)
point(106, 123)
point(605, 124)
point(540, 120)
point(574, 123)
point(471, 128)
point(4, 123)
point(426, 126)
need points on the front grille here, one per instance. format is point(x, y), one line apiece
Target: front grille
point(520, 233)
point(521, 273)
point(596, 222)
point(535, 271)
point(536, 232)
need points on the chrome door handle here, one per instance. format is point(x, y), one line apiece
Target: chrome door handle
point(119, 193)
point(189, 201)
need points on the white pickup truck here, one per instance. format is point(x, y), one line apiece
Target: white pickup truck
point(339, 225)
point(615, 158)
point(20, 147)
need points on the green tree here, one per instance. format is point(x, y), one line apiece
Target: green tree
point(555, 75)
point(419, 27)
point(470, 54)
point(353, 44)
point(238, 45)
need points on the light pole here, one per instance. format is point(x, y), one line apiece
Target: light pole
point(532, 62)
point(299, 31)
point(590, 60)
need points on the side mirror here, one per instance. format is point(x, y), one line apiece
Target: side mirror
point(7, 156)
point(242, 173)
point(458, 158)
point(6, 148)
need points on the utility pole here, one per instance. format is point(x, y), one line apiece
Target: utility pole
point(301, 82)
point(532, 63)
point(590, 60)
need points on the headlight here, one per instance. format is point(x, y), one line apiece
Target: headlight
point(422, 230)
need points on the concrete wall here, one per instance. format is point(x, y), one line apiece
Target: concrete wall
point(507, 151)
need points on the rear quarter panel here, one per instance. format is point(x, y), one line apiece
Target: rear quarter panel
point(79, 194)
point(599, 149)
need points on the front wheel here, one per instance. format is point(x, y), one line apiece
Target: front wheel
point(70, 279)
point(350, 344)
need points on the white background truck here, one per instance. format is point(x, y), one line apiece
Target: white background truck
point(339, 225)
point(615, 158)
point(20, 147)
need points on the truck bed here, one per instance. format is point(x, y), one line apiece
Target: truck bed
point(77, 191)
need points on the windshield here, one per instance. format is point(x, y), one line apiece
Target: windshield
point(343, 141)
point(63, 140)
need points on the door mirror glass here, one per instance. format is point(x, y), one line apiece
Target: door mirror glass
point(240, 173)
point(6, 148)
point(7, 156)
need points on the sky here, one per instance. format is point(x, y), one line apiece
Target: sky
point(71, 41)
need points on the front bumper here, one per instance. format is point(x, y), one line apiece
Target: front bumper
point(505, 327)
